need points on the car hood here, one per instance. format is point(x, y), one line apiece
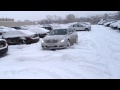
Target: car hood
point(54, 37)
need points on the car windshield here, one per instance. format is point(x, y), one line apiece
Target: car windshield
point(58, 32)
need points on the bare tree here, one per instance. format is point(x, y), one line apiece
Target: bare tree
point(70, 18)
point(117, 15)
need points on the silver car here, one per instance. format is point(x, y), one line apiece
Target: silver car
point(59, 38)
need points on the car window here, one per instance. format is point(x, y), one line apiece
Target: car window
point(81, 25)
point(58, 32)
point(70, 30)
point(75, 25)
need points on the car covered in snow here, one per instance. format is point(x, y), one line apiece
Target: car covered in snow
point(118, 27)
point(48, 27)
point(20, 37)
point(19, 28)
point(3, 47)
point(81, 27)
point(59, 38)
point(4, 30)
point(115, 25)
point(40, 31)
point(103, 21)
point(107, 24)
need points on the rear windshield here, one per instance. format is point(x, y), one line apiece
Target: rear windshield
point(58, 32)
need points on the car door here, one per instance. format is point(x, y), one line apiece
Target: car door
point(76, 27)
point(81, 27)
point(71, 36)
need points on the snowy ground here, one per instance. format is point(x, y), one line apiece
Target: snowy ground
point(97, 55)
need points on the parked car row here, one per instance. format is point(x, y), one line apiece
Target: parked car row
point(103, 21)
point(114, 24)
point(54, 39)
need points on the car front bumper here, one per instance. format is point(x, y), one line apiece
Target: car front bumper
point(60, 45)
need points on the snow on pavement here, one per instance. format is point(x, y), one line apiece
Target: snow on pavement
point(97, 55)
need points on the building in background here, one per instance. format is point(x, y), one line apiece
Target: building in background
point(6, 19)
point(9, 22)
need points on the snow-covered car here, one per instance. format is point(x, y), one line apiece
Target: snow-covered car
point(115, 25)
point(4, 30)
point(3, 47)
point(101, 22)
point(48, 27)
point(20, 37)
point(107, 24)
point(40, 31)
point(19, 28)
point(59, 38)
point(118, 27)
point(81, 27)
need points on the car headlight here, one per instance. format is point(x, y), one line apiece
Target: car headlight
point(42, 40)
point(62, 40)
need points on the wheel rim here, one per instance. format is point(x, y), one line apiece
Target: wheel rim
point(87, 29)
point(68, 44)
point(76, 40)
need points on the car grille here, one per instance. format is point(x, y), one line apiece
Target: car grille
point(51, 41)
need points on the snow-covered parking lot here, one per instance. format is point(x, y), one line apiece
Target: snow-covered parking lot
point(96, 56)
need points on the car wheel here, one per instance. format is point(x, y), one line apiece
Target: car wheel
point(76, 40)
point(22, 42)
point(86, 29)
point(68, 44)
point(43, 48)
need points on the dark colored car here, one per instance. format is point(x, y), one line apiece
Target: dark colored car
point(3, 47)
point(20, 37)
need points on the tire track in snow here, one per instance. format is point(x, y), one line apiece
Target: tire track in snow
point(68, 73)
point(31, 71)
point(103, 47)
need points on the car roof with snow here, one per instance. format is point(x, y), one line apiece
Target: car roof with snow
point(65, 27)
point(20, 33)
point(39, 30)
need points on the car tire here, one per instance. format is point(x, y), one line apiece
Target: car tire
point(86, 29)
point(43, 48)
point(22, 42)
point(76, 42)
point(68, 44)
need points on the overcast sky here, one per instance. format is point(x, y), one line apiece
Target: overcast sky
point(38, 15)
